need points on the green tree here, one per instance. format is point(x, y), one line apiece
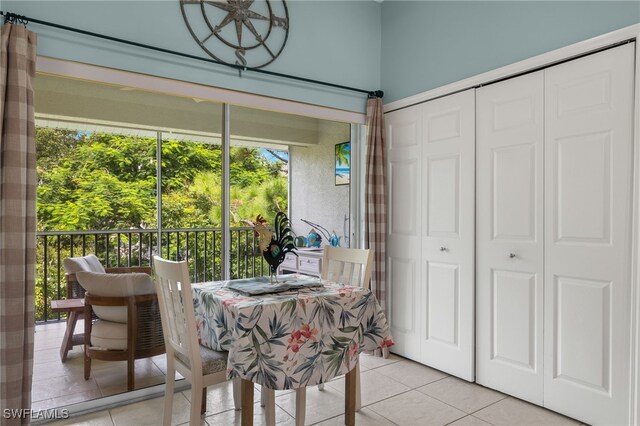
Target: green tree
point(53, 145)
point(98, 181)
point(105, 181)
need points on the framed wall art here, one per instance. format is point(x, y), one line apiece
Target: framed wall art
point(343, 163)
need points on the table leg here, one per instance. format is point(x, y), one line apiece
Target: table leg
point(247, 403)
point(301, 409)
point(67, 340)
point(350, 398)
point(270, 405)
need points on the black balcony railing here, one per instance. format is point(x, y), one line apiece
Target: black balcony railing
point(201, 247)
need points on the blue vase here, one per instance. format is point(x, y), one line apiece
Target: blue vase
point(334, 240)
point(314, 239)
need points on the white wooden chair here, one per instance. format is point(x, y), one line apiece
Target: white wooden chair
point(349, 267)
point(199, 365)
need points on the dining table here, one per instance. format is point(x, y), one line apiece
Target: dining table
point(295, 332)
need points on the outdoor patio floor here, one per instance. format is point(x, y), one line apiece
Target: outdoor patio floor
point(395, 391)
point(57, 384)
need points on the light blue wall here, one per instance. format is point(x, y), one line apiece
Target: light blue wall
point(427, 44)
point(419, 46)
point(334, 41)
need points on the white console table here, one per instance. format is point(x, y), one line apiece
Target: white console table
point(308, 262)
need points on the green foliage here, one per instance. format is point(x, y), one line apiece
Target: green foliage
point(97, 181)
point(105, 181)
point(183, 161)
point(54, 145)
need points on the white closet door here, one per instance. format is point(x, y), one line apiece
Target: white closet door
point(448, 234)
point(509, 250)
point(589, 159)
point(403, 241)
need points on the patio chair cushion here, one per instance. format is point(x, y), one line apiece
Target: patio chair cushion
point(109, 335)
point(115, 285)
point(212, 361)
point(85, 263)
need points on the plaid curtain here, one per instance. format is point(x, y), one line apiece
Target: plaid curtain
point(376, 205)
point(17, 219)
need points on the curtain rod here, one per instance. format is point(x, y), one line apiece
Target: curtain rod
point(24, 20)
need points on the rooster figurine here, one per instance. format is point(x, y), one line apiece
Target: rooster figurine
point(275, 245)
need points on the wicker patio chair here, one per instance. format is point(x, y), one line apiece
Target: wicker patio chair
point(127, 323)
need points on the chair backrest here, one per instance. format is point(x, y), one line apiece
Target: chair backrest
point(347, 266)
point(115, 285)
point(72, 265)
point(173, 287)
point(88, 263)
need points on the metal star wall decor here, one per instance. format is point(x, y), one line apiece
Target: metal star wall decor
point(241, 32)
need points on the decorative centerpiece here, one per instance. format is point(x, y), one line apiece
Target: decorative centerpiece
point(334, 240)
point(314, 239)
point(275, 245)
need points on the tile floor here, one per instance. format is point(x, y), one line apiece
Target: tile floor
point(395, 391)
point(57, 384)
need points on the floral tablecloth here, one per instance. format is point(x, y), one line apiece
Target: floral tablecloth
point(286, 341)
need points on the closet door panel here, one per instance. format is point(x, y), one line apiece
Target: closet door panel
point(583, 173)
point(403, 240)
point(514, 178)
point(589, 159)
point(447, 213)
point(443, 193)
point(513, 315)
point(509, 243)
point(443, 298)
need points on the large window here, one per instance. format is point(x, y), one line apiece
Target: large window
point(97, 193)
point(126, 174)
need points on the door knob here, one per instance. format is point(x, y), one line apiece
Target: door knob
point(512, 255)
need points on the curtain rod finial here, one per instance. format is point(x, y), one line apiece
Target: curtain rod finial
point(12, 18)
point(375, 94)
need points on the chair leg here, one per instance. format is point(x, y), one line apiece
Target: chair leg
point(237, 393)
point(87, 364)
point(269, 397)
point(196, 402)
point(301, 399)
point(168, 391)
point(203, 409)
point(87, 341)
point(131, 362)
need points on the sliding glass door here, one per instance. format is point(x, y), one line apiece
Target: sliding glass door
point(126, 173)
